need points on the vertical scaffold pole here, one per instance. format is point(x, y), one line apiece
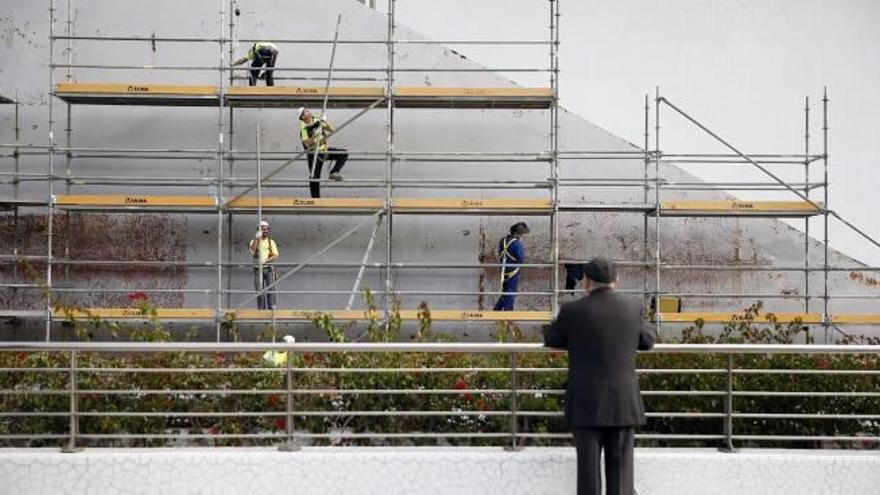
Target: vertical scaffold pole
point(647, 190)
point(388, 295)
point(229, 149)
point(657, 157)
point(50, 208)
point(807, 194)
point(68, 135)
point(825, 210)
point(554, 150)
point(219, 188)
point(16, 156)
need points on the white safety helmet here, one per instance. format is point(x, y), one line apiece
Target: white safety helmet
point(264, 224)
point(299, 112)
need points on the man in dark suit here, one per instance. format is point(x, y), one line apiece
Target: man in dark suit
point(602, 332)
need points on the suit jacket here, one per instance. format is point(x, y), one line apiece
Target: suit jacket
point(602, 332)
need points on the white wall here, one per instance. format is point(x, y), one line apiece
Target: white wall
point(741, 66)
point(426, 471)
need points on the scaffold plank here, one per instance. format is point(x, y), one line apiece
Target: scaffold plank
point(137, 94)
point(716, 317)
point(299, 96)
point(203, 314)
point(302, 314)
point(476, 315)
point(472, 97)
point(738, 208)
point(323, 205)
point(856, 319)
point(136, 202)
point(245, 315)
point(471, 205)
point(136, 314)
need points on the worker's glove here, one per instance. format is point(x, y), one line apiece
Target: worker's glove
point(258, 235)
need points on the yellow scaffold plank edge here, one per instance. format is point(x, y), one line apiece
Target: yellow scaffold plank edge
point(134, 200)
point(713, 317)
point(135, 89)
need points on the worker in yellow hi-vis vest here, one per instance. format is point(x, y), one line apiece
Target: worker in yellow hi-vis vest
point(313, 133)
point(265, 252)
point(261, 53)
point(512, 254)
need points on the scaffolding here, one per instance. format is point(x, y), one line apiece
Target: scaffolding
point(233, 195)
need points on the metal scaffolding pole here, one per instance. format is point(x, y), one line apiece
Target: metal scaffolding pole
point(646, 191)
point(50, 211)
point(230, 146)
point(219, 186)
point(657, 156)
point(807, 194)
point(388, 287)
point(363, 267)
point(554, 149)
point(68, 136)
point(825, 216)
point(15, 183)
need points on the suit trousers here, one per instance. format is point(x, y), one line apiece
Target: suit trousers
point(617, 442)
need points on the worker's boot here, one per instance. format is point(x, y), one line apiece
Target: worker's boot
point(337, 176)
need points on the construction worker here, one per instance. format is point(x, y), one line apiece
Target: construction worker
point(512, 254)
point(261, 53)
point(313, 133)
point(265, 252)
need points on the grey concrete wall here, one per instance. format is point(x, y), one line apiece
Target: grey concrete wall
point(467, 239)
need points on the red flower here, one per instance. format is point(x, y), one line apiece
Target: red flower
point(822, 363)
point(20, 357)
point(137, 296)
point(307, 358)
point(273, 400)
point(214, 430)
point(279, 424)
point(460, 384)
point(220, 358)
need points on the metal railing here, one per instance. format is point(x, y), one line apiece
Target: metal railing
point(151, 394)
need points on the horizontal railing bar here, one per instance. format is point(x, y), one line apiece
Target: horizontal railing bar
point(774, 393)
point(355, 41)
point(459, 347)
point(814, 438)
point(873, 417)
point(743, 393)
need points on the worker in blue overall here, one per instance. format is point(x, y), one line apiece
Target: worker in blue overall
point(512, 254)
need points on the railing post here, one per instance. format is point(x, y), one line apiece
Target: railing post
point(514, 405)
point(290, 444)
point(71, 446)
point(728, 446)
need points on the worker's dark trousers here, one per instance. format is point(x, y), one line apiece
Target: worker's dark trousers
point(267, 299)
point(617, 442)
point(505, 302)
point(336, 155)
point(263, 57)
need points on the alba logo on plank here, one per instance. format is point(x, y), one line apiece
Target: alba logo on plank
point(138, 89)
